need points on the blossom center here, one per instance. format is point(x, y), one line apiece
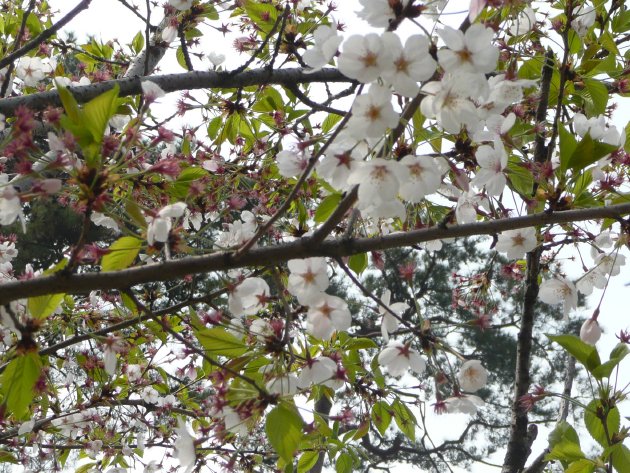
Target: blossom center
point(370, 59)
point(373, 113)
point(402, 65)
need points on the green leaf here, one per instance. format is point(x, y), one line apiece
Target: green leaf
point(521, 179)
point(6, 457)
point(137, 43)
point(565, 451)
point(41, 307)
point(621, 459)
point(563, 432)
point(616, 355)
point(98, 111)
point(597, 97)
point(327, 207)
point(18, 383)
point(588, 152)
point(180, 187)
point(344, 463)
point(330, 121)
point(218, 342)
point(581, 466)
point(594, 424)
point(284, 431)
point(358, 263)
point(582, 352)
point(405, 420)
point(307, 461)
point(381, 418)
point(69, 103)
point(359, 344)
point(568, 143)
point(122, 253)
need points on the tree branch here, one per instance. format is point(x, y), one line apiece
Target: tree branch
point(224, 260)
point(175, 82)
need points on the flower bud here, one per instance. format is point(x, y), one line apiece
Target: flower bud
point(590, 332)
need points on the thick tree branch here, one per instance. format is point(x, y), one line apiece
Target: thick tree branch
point(220, 261)
point(176, 82)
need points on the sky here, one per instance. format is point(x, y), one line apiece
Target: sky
point(109, 18)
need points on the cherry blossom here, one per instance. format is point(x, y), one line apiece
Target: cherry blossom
point(160, 226)
point(216, 58)
point(524, 23)
point(151, 91)
point(250, 296)
point(184, 446)
point(472, 376)
point(584, 17)
point(496, 126)
point(364, 58)
point(238, 232)
point(389, 323)
point(326, 43)
point(181, 4)
point(379, 182)
point(448, 102)
point(169, 34)
point(372, 113)
point(377, 13)
point(308, 279)
point(468, 52)
point(327, 314)
point(285, 385)
point(291, 164)
point(423, 177)
point(10, 205)
point(464, 404)
point(556, 290)
point(411, 64)
point(517, 242)
point(590, 332)
point(397, 358)
point(103, 220)
point(337, 165)
point(492, 160)
point(30, 70)
point(317, 371)
point(466, 210)
point(150, 395)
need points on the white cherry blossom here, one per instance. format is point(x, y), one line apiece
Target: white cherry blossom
point(250, 296)
point(397, 358)
point(238, 232)
point(317, 371)
point(448, 102)
point(181, 4)
point(308, 279)
point(496, 126)
point(464, 404)
point(337, 165)
point(556, 290)
point(216, 58)
point(466, 210)
point(150, 395)
point(472, 376)
point(326, 43)
point(151, 90)
point(423, 176)
point(30, 70)
point(471, 51)
point(185, 446)
point(492, 161)
point(364, 57)
point(169, 34)
point(286, 385)
point(517, 242)
point(524, 22)
point(10, 204)
point(377, 13)
point(411, 64)
point(160, 226)
point(372, 113)
point(291, 164)
point(326, 315)
point(379, 181)
point(389, 323)
point(584, 17)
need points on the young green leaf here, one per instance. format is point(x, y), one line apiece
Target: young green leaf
point(284, 431)
point(122, 253)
